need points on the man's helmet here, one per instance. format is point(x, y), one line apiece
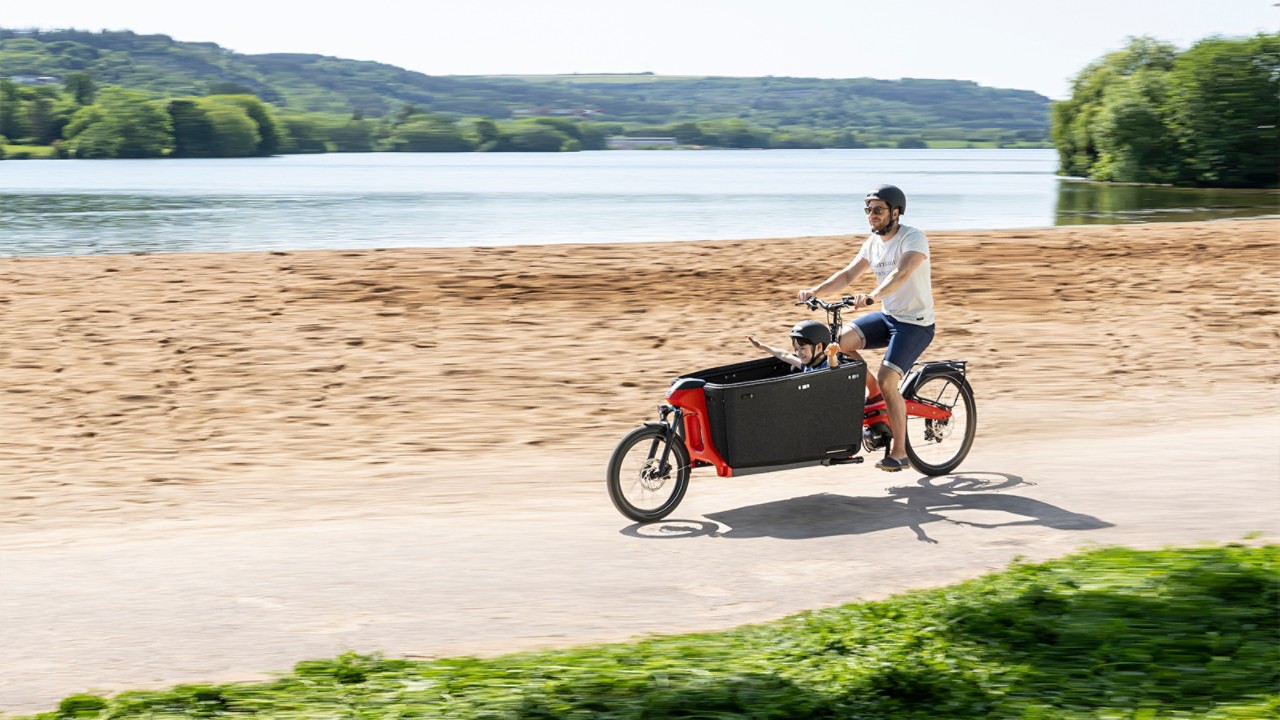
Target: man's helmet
point(891, 195)
point(812, 332)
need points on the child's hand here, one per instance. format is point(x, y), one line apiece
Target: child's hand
point(755, 342)
point(833, 355)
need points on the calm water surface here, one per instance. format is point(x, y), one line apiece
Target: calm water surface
point(335, 201)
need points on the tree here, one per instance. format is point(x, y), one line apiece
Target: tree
point(1133, 144)
point(1074, 122)
point(429, 133)
point(527, 136)
point(42, 119)
point(734, 133)
point(193, 132)
point(267, 129)
point(235, 133)
point(1225, 112)
point(352, 136)
point(80, 87)
point(486, 134)
point(302, 135)
point(688, 133)
point(122, 123)
point(11, 121)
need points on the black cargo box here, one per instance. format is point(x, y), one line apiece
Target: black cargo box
point(762, 413)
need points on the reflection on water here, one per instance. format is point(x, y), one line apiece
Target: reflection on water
point(76, 207)
point(1086, 203)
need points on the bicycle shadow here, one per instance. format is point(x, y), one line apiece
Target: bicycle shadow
point(910, 506)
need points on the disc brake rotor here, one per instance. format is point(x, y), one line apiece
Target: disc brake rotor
point(937, 430)
point(650, 477)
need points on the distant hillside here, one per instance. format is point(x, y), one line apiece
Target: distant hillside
point(163, 66)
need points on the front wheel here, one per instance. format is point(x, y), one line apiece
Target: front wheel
point(642, 486)
point(936, 447)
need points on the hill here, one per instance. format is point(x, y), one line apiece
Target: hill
point(160, 65)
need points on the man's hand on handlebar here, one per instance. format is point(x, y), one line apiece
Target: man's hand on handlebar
point(854, 301)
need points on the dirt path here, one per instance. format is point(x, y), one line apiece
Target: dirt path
point(516, 564)
point(214, 466)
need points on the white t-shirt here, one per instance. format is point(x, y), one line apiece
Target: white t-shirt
point(912, 302)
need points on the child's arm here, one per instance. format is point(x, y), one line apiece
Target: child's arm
point(833, 355)
point(782, 355)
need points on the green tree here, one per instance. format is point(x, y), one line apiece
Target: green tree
point(734, 133)
point(42, 120)
point(1075, 122)
point(352, 136)
point(487, 135)
point(429, 133)
point(526, 136)
point(122, 123)
point(235, 133)
point(688, 133)
point(302, 135)
point(1132, 141)
point(1224, 100)
point(80, 87)
point(193, 133)
point(11, 115)
point(267, 129)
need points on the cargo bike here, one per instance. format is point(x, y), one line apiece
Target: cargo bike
point(760, 416)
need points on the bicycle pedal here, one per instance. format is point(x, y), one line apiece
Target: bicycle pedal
point(854, 460)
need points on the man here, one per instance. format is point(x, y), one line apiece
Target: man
point(898, 255)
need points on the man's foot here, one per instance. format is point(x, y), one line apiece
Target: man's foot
point(890, 464)
point(874, 399)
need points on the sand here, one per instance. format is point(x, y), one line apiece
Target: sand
point(158, 400)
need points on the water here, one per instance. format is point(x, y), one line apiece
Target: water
point(72, 207)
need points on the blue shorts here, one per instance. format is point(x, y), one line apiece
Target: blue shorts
point(904, 340)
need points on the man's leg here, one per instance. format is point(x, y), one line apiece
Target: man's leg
point(890, 379)
point(850, 342)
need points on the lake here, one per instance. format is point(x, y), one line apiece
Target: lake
point(348, 201)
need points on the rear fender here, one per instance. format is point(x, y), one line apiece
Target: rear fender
point(921, 372)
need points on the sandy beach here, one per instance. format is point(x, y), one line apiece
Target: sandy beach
point(160, 398)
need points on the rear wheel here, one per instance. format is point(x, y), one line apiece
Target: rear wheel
point(641, 486)
point(936, 447)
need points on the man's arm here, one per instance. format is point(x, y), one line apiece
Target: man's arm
point(910, 261)
point(838, 281)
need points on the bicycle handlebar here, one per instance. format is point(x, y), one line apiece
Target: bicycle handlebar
point(814, 303)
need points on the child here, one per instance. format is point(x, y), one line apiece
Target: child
point(811, 341)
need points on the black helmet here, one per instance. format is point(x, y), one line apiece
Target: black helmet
point(891, 195)
point(812, 332)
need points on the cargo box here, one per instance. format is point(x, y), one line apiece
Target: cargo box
point(762, 413)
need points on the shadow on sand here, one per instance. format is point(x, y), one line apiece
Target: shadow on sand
point(909, 506)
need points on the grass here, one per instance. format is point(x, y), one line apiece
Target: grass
point(1112, 633)
point(26, 152)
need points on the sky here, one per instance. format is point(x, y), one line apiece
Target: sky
point(1022, 44)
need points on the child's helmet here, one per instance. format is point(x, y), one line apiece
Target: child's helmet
point(891, 195)
point(812, 332)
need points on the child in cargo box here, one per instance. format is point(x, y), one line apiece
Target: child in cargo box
point(811, 341)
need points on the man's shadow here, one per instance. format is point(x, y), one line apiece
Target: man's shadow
point(910, 506)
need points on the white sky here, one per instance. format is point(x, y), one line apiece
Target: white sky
point(1027, 44)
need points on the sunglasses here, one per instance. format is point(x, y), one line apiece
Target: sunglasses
point(877, 210)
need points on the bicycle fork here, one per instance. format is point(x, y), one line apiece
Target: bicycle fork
point(672, 432)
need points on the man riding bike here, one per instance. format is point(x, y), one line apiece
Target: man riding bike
point(898, 255)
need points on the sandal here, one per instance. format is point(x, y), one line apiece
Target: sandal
point(893, 464)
